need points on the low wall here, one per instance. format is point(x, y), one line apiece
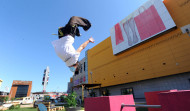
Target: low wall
point(109, 103)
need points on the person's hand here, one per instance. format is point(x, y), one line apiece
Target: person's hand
point(91, 40)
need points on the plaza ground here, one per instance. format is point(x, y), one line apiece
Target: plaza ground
point(35, 109)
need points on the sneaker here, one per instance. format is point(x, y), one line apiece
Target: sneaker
point(91, 39)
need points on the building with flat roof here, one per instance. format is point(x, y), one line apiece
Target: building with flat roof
point(137, 59)
point(2, 93)
point(20, 89)
point(150, 55)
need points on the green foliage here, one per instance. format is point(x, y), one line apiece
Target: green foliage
point(15, 107)
point(12, 107)
point(24, 109)
point(46, 97)
point(4, 98)
point(12, 98)
point(19, 98)
point(1, 99)
point(62, 97)
point(71, 99)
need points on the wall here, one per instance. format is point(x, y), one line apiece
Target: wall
point(80, 79)
point(179, 81)
point(166, 54)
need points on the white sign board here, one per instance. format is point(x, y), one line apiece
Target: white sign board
point(147, 21)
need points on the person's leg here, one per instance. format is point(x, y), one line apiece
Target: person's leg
point(82, 46)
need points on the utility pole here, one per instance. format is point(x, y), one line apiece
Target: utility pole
point(45, 78)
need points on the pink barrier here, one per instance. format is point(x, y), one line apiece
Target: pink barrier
point(152, 99)
point(109, 103)
point(175, 101)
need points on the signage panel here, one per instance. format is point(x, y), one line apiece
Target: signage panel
point(147, 21)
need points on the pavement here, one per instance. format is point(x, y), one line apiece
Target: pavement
point(26, 105)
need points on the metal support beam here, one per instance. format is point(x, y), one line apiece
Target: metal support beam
point(140, 106)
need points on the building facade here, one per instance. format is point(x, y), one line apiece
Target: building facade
point(80, 78)
point(20, 89)
point(159, 63)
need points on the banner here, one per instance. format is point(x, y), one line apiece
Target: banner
point(147, 21)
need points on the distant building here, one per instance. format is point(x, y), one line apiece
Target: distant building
point(2, 93)
point(40, 95)
point(20, 89)
point(70, 85)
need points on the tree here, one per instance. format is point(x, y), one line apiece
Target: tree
point(71, 99)
point(1, 99)
point(46, 97)
point(6, 99)
point(62, 98)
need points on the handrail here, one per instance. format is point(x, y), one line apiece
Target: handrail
point(140, 106)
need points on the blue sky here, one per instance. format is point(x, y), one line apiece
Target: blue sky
point(25, 36)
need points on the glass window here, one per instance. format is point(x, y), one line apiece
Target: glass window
point(126, 91)
point(21, 91)
point(84, 66)
point(81, 69)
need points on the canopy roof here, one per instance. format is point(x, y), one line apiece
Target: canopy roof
point(87, 85)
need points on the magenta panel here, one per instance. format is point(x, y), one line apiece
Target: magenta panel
point(152, 99)
point(97, 104)
point(149, 23)
point(109, 103)
point(175, 101)
point(118, 34)
point(115, 103)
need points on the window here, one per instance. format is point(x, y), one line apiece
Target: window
point(106, 92)
point(21, 91)
point(76, 72)
point(126, 91)
point(81, 68)
point(84, 66)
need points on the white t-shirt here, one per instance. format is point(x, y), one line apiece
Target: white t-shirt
point(65, 50)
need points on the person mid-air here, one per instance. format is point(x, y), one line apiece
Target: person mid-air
point(64, 45)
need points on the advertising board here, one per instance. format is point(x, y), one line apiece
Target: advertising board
point(146, 22)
